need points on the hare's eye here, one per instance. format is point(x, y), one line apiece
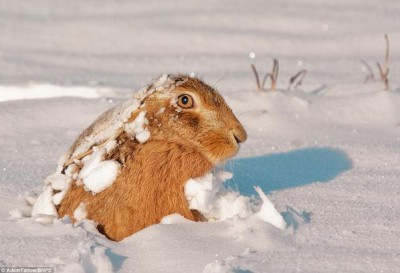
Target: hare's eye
point(185, 101)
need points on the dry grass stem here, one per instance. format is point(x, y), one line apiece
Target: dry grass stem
point(253, 67)
point(273, 76)
point(371, 75)
point(383, 69)
point(297, 79)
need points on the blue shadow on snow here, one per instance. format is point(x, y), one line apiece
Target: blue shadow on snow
point(116, 259)
point(286, 170)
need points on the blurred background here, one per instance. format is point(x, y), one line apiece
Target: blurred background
point(128, 43)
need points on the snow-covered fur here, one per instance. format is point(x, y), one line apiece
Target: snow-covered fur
point(128, 169)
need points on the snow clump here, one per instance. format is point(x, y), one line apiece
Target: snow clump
point(80, 212)
point(217, 203)
point(136, 128)
point(98, 174)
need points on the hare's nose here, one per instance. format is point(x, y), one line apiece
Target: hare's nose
point(240, 134)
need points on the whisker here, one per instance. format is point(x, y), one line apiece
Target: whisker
point(218, 81)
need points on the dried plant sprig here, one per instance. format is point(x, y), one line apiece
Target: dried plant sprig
point(384, 70)
point(297, 79)
point(259, 87)
point(370, 76)
point(273, 76)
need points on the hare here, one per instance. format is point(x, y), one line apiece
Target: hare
point(147, 148)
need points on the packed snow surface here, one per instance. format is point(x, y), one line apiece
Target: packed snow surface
point(326, 154)
point(36, 91)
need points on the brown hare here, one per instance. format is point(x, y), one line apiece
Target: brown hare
point(128, 169)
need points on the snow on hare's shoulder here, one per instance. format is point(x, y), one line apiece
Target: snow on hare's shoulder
point(128, 169)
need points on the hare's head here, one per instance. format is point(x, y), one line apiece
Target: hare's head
point(189, 112)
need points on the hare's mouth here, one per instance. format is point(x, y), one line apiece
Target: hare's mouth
point(239, 134)
point(235, 139)
point(238, 141)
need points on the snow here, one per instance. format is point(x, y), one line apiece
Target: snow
point(94, 259)
point(207, 195)
point(58, 182)
point(44, 203)
point(325, 154)
point(98, 174)
point(215, 202)
point(102, 176)
point(91, 161)
point(173, 219)
point(135, 129)
point(58, 197)
point(18, 213)
point(80, 212)
point(217, 267)
point(41, 91)
point(106, 128)
point(268, 212)
point(143, 136)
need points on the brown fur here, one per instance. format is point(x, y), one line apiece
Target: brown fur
point(149, 188)
point(183, 145)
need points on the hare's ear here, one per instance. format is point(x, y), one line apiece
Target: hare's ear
point(134, 115)
point(105, 129)
point(73, 158)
